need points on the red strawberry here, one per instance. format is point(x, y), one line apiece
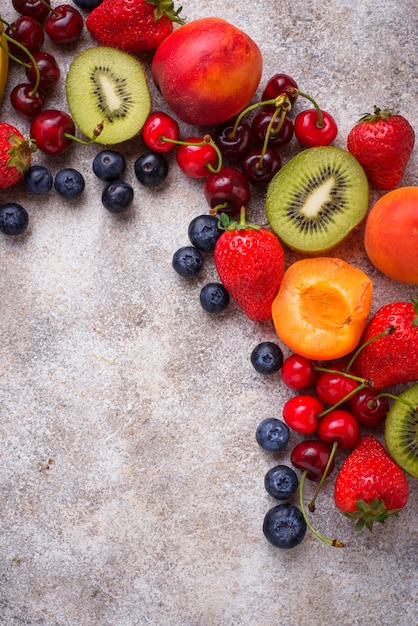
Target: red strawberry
point(370, 486)
point(382, 142)
point(391, 359)
point(15, 155)
point(250, 264)
point(133, 25)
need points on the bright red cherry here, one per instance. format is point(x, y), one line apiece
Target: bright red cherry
point(278, 84)
point(301, 413)
point(311, 132)
point(312, 456)
point(64, 24)
point(48, 68)
point(298, 372)
point(160, 126)
point(368, 407)
point(227, 191)
point(29, 33)
point(332, 387)
point(197, 157)
point(340, 426)
point(52, 130)
point(37, 9)
point(25, 101)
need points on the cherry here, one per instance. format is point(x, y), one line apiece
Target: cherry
point(37, 9)
point(52, 131)
point(333, 386)
point(26, 101)
point(281, 137)
point(313, 128)
point(312, 456)
point(277, 85)
point(227, 191)
point(28, 32)
point(48, 69)
point(259, 166)
point(160, 126)
point(298, 372)
point(197, 158)
point(64, 24)
point(234, 141)
point(368, 407)
point(340, 426)
point(301, 413)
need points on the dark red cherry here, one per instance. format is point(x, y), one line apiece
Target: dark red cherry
point(233, 144)
point(259, 169)
point(278, 84)
point(28, 32)
point(48, 68)
point(64, 24)
point(52, 130)
point(25, 101)
point(227, 190)
point(277, 138)
point(37, 9)
point(312, 456)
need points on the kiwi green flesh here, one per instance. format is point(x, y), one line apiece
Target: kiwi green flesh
point(106, 85)
point(317, 198)
point(401, 431)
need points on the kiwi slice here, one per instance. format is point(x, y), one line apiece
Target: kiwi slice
point(110, 86)
point(401, 431)
point(317, 198)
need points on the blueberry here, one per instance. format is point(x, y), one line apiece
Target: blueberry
point(117, 196)
point(89, 5)
point(284, 526)
point(109, 165)
point(267, 358)
point(38, 179)
point(214, 298)
point(272, 434)
point(203, 232)
point(151, 169)
point(187, 261)
point(14, 219)
point(281, 482)
point(69, 183)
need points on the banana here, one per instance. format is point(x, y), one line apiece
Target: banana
point(4, 62)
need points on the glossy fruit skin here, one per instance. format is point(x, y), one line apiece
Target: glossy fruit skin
point(203, 232)
point(214, 298)
point(25, 101)
point(392, 359)
point(27, 31)
point(309, 134)
point(312, 456)
point(339, 425)
point(48, 68)
point(109, 165)
point(281, 482)
point(64, 25)
point(227, 190)
point(14, 219)
point(15, 155)
point(69, 183)
point(38, 179)
point(34, 8)
point(284, 526)
point(332, 387)
point(117, 196)
point(158, 126)
point(233, 145)
point(391, 235)
point(187, 261)
point(49, 129)
point(367, 408)
point(298, 372)
point(151, 168)
point(276, 140)
point(301, 413)
point(193, 160)
point(208, 70)
point(258, 172)
point(272, 434)
point(276, 85)
point(267, 358)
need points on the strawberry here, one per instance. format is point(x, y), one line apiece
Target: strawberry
point(370, 486)
point(15, 155)
point(382, 142)
point(250, 263)
point(393, 358)
point(133, 25)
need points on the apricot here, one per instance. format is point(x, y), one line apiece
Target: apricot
point(207, 71)
point(391, 235)
point(321, 308)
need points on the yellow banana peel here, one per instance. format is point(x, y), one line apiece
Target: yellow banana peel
point(4, 62)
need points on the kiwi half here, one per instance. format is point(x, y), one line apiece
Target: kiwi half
point(401, 431)
point(317, 198)
point(107, 85)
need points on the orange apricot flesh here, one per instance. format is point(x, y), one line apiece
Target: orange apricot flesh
point(321, 308)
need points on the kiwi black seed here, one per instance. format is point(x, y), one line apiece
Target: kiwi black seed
point(110, 86)
point(401, 431)
point(317, 198)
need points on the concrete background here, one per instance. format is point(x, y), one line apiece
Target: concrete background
point(131, 483)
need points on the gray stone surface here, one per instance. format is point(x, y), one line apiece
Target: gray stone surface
point(131, 484)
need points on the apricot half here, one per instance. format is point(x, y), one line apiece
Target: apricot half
point(391, 235)
point(321, 308)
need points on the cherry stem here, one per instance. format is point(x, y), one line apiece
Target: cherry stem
point(388, 331)
point(46, 4)
point(332, 542)
point(31, 57)
point(207, 139)
point(96, 133)
point(320, 121)
point(311, 505)
point(350, 394)
point(270, 131)
point(386, 394)
point(281, 102)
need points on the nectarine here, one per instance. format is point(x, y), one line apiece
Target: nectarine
point(391, 235)
point(321, 308)
point(207, 71)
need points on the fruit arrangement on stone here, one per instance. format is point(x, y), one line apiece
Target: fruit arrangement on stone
point(343, 362)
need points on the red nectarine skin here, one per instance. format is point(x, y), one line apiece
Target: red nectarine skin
point(391, 235)
point(207, 70)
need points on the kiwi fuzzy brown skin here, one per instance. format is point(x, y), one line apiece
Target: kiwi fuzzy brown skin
point(110, 86)
point(316, 199)
point(401, 431)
